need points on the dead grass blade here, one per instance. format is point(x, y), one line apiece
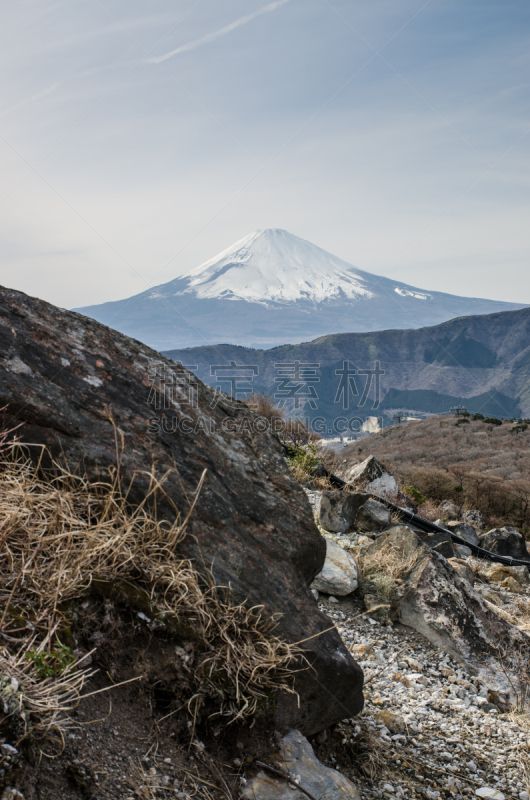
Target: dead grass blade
point(60, 535)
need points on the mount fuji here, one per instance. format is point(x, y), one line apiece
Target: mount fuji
point(271, 288)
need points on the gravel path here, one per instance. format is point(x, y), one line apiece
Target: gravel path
point(436, 733)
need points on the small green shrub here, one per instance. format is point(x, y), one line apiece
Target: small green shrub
point(303, 460)
point(54, 663)
point(415, 495)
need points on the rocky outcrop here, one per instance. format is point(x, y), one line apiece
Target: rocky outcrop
point(339, 573)
point(99, 400)
point(505, 542)
point(297, 760)
point(438, 602)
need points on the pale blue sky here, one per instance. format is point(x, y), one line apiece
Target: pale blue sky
point(137, 139)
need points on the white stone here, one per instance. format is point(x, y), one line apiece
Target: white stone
point(339, 573)
point(489, 793)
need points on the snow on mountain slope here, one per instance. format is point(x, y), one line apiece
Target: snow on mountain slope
point(273, 265)
point(271, 288)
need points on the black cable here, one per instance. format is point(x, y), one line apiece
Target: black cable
point(426, 525)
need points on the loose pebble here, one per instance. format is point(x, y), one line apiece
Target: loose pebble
point(441, 735)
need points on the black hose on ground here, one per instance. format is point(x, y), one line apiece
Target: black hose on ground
point(426, 525)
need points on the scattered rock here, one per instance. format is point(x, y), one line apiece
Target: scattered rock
point(342, 512)
point(335, 511)
point(496, 573)
point(462, 551)
point(440, 542)
point(393, 722)
point(475, 518)
point(436, 601)
point(464, 531)
point(372, 476)
point(505, 541)
point(296, 757)
point(339, 573)
point(455, 741)
point(363, 651)
point(450, 510)
point(512, 585)
point(489, 794)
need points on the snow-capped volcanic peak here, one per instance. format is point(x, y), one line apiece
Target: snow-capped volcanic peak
point(275, 266)
point(271, 288)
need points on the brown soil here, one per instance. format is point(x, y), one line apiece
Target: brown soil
point(139, 739)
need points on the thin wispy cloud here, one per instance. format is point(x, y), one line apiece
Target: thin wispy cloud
point(28, 100)
point(166, 168)
point(211, 37)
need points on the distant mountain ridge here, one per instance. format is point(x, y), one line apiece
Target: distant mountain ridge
point(272, 287)
point(486, 358)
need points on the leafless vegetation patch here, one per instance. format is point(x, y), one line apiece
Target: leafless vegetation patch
point(59, 536)
point(477, 466)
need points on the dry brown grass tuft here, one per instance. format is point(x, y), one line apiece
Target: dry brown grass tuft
point(59, 535)
point(387, 561)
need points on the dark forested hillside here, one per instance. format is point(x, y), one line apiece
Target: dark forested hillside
point(483, 361)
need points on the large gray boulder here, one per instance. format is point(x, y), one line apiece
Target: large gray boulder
point(98, 400)
point(371, 476)
point(505, 542)
point(373, 516)
point(343, 512)
point(335, 511)
point(439, 603)
point(297, 760)
point(464, 530)
point(339, 573)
